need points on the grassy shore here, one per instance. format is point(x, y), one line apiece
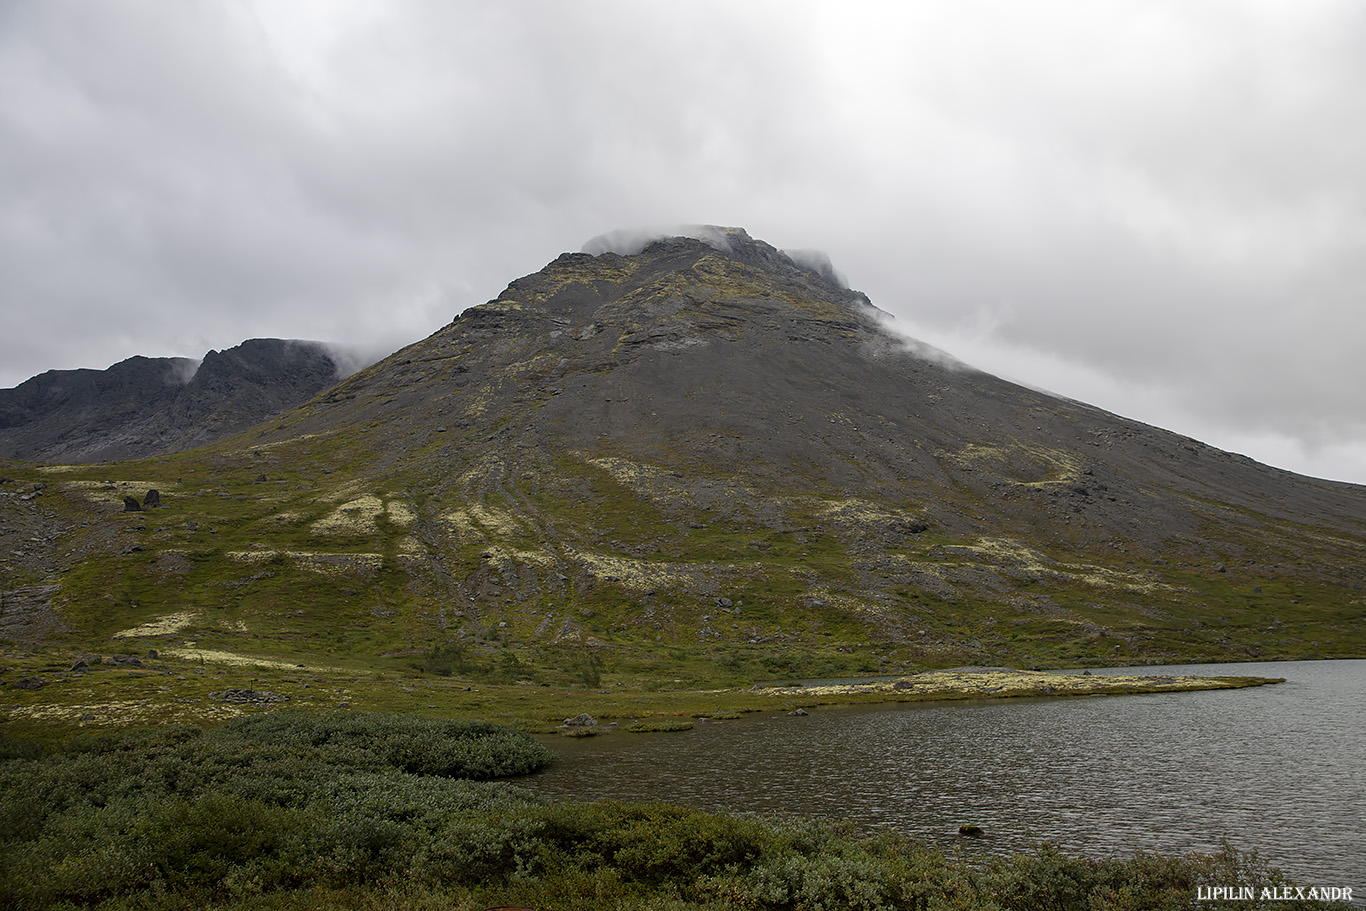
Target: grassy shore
point(60, 694)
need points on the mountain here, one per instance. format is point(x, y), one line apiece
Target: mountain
point(146, 406)
point(703, 458)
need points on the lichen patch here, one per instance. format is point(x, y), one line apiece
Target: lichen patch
point(162, 626)
point(354, 517)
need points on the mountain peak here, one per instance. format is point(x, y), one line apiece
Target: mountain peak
point(734, 243)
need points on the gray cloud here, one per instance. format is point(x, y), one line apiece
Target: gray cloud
point(1154, 206)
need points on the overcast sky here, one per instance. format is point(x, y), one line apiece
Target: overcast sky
point(1158, 207)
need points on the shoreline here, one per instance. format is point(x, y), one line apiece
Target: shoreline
point(54, 695)
point(1006, 683)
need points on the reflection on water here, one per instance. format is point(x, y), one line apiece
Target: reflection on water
point(1278, 769)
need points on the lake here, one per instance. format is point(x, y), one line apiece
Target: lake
point(1280, 769)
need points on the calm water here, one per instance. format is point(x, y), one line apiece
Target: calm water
point(1280, 769)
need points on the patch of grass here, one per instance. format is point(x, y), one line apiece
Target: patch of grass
point(660, 726)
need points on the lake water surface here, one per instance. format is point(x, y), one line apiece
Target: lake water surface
point(1279, 769)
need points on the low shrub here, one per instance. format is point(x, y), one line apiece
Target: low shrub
point(476, 750)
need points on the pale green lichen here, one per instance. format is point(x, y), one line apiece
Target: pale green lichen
point(328, 564)
point(853, 512)
point(1027, 464)
point(1012, 554)
point(643, 575)
point(162, 626)
point(399, 513)
point(477, 522)
point(114, 491)
point(354, 517)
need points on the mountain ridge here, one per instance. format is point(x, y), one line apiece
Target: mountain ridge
point(707, 458)
point(145, 406)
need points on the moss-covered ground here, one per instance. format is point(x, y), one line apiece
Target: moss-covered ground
point(533, 590)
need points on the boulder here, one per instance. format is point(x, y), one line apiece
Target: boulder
point(583, 719)
point(152, 500)
point(131, 504)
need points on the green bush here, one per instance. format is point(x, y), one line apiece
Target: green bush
point(423, 746)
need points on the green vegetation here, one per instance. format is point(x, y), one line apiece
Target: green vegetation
point(664, 726)
point(305, 811)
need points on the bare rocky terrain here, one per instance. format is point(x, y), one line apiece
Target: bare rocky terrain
point(146, 406)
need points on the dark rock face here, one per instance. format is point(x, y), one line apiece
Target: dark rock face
point(147, 406)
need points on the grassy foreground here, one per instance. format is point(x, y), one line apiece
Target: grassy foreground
point(377, 811)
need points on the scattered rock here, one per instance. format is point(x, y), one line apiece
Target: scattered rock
point(250, 697)
point(125, 660)
point(903, 685)
point(970, 830)
point(583, 719)
point(87, 717)
point(29, 683)
point(152, 654)
point(908, 526)
point(799, 712)
point(79, 665)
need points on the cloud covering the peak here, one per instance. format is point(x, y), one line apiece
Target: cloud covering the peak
point(1157, 207)
point(630, 241)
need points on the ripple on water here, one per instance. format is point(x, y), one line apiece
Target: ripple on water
point(1277, 769)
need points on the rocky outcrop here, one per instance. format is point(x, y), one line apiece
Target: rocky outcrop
point(147, 406)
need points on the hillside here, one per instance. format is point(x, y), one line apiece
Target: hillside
point(146, 406)
point(700, 463)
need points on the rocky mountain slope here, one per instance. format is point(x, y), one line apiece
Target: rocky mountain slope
point(706, 460)
point(146, 406)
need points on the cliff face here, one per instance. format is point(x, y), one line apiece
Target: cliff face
point(148, 406)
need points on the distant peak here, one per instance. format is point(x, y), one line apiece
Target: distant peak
point(734, 242)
